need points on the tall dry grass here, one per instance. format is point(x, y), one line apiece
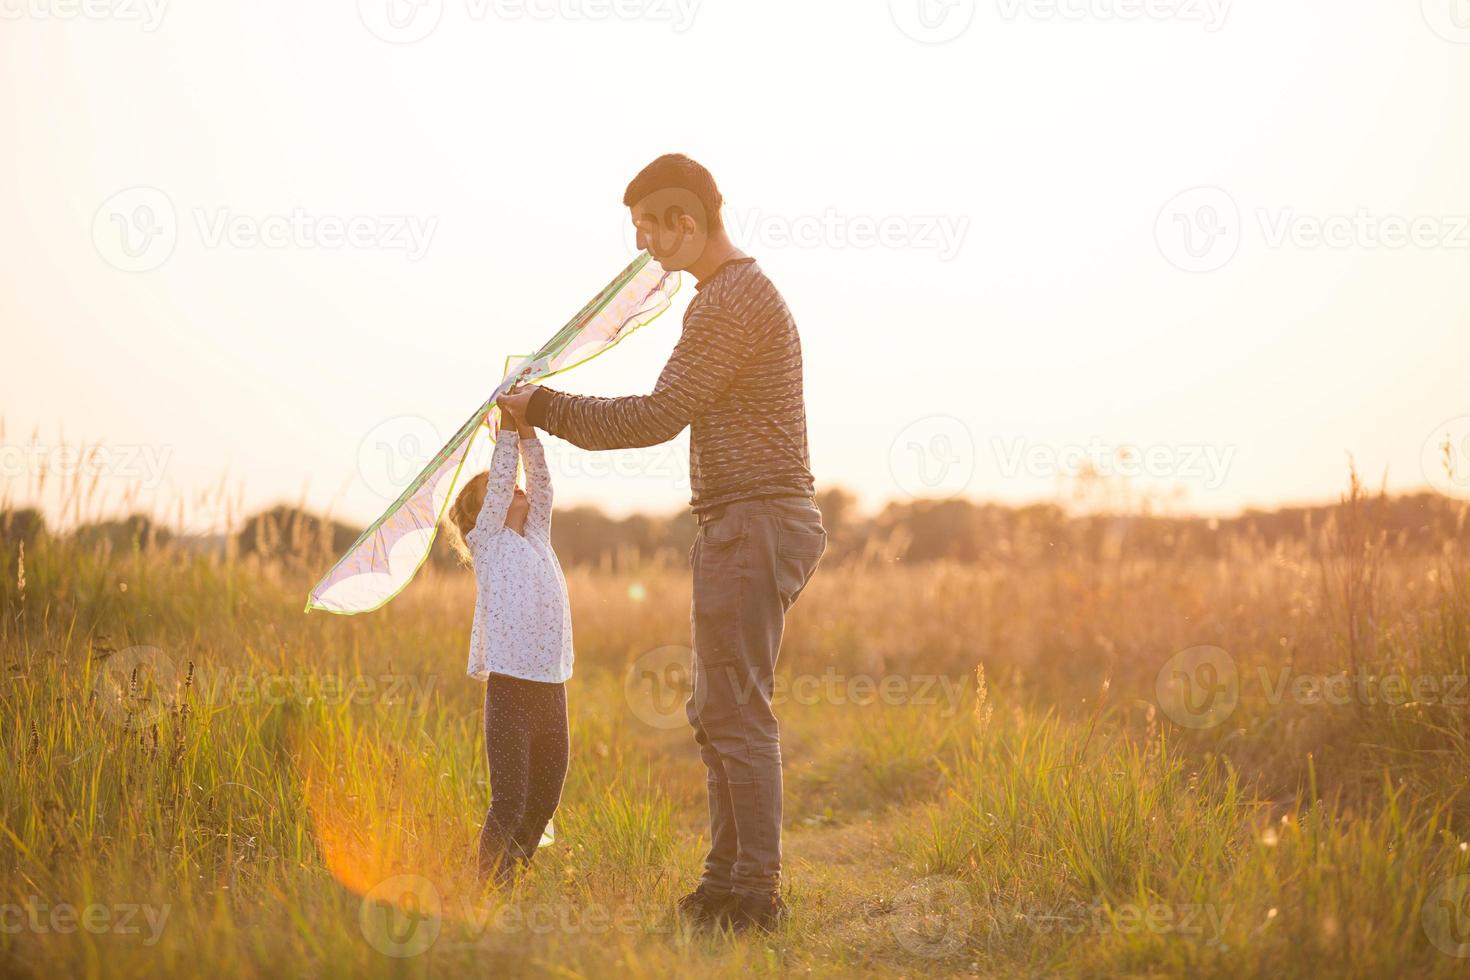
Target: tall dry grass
point(180, 740)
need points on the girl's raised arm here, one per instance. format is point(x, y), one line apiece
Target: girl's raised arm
point(538, 485)
point(500, 486)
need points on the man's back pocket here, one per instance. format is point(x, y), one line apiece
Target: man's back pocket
point(797, 555)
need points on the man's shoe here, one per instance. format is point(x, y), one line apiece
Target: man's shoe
point(752, 913)
point(704, 905)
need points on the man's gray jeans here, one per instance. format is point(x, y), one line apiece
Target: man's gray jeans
point(750, 564)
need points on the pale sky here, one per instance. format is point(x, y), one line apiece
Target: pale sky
point(1014, 234)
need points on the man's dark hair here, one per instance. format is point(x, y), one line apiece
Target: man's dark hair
point(675, 171)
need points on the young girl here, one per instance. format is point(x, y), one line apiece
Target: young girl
point(521, 645)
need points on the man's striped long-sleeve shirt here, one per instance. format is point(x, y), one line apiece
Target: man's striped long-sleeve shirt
point(734, 377)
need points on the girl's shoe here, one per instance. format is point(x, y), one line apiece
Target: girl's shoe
point(505, 872)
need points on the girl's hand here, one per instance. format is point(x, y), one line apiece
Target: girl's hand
point(516, 419)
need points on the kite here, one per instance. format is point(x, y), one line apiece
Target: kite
point(382, 562)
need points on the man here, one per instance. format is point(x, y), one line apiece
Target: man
point(735, 378)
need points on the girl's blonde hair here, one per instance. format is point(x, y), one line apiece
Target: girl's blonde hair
point(462, 515)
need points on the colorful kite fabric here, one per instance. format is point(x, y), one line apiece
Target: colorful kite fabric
point(388, 554)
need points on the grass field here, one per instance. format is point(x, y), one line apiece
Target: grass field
point(1238, 767)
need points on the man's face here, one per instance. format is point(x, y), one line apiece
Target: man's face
point(668, 228)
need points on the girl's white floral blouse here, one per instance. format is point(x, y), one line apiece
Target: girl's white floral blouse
point(523, 622)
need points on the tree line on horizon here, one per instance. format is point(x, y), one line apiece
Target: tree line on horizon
point(912, 531)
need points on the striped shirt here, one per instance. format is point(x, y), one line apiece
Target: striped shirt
point(734, 378)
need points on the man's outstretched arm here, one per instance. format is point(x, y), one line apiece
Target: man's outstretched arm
point(704, 362)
